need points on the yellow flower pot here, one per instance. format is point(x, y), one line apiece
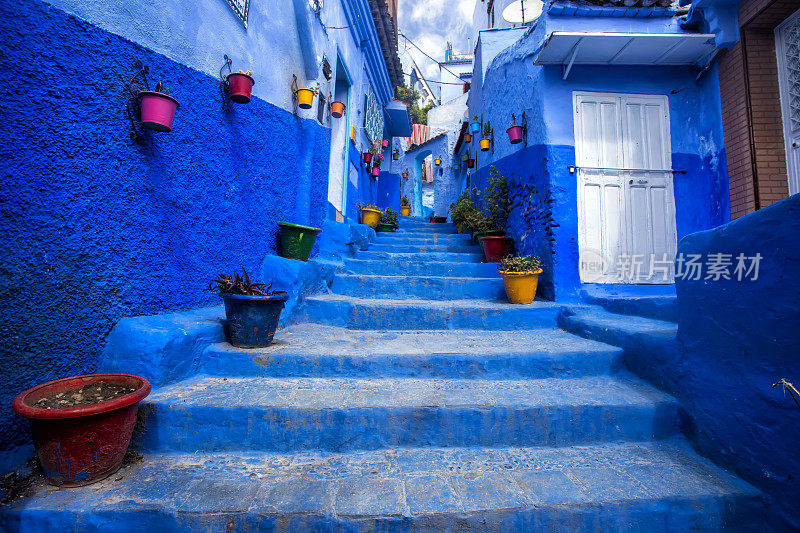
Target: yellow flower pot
point(405, 210)
point(485, 145)
point(305, 97)
point(370, 216)
point(521, 286)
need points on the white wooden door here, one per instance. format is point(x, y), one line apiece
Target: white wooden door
point(787, 47)
point(626, 207)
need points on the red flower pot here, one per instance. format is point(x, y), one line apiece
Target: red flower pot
point(496, 248)
point(158, 110)
point(241, 86)
point(515, 134)
point(470, 163)
point(80, 445)
point(367, 157)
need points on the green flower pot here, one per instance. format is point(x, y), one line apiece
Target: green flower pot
point(297, 241)
point(385, 228)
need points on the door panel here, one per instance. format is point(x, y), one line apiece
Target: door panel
point(626, 139)
point(787, 48)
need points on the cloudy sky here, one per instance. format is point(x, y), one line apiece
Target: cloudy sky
point(430, 24)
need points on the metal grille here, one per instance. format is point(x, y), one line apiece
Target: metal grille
point(791, 36)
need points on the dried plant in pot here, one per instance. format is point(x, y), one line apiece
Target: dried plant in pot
point(158, 109)
point(252, 309)
point(405, 206)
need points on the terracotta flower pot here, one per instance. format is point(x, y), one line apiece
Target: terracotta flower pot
point(467, 137)
point(405, 210)
point(241, 86)
point(337, 109)
point(82, 444)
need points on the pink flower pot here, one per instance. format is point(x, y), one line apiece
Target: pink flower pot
point(376, 171)
point(158, 110)
point(515, 134)
point(241, 87)
point(385, 143)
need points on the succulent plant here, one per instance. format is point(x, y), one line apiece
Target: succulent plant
point(520, 264)
point(236, 284)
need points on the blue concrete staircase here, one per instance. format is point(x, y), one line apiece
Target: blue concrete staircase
point(411, 398)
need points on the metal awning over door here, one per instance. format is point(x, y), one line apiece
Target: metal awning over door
point(625, 49)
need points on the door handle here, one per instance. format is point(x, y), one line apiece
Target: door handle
point(794, 145)
point(640, 182)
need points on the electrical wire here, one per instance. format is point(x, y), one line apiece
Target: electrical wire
point(441, 82)
point(403, 35)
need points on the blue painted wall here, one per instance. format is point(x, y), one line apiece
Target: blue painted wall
point(97, 228)
point(735, 340)
point(512, 84)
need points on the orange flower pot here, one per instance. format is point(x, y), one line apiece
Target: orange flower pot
point(337, 109)
point(405, 210)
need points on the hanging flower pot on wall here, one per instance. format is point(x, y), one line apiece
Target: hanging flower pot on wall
point(470, 163)
point(385, 143)
point(467, 137)
point(485, 145)
point(367, 156)
point(405, 175)
point(305, 98)
point(437, 161)
point(376, 171)
point(475, 126)
point(464, 157)
point(516, 133)
point(158, 110)
point(337, 109)
point(241, 86)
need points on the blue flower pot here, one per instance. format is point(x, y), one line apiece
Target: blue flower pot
point(476, 127)
point(252, 320)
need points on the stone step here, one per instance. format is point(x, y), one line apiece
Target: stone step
point(422, 287)
point(626, 331)
point(425, 248)
point(421, 238)
point(657, 487)
point(654, 301)
point(436, 257)
point(312, 350)
point(408, 267)
point(359, 313)
point(339, 414)
point(428, 228)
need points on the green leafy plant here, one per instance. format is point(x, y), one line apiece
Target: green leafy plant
point(462, 208)
point(520, 264)
point(410, 97)
point(404, 201)
point(236, 284)
point(496, 199)
point(369, 206)
point(389, 217)
point(477, 221)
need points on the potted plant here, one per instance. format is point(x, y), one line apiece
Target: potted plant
point(438, 220)
point(370, 215)
point(158, 109)
point(470, 163)
point(480, 225)
point(496, 245)
point(338, 109)
point(461, 210)
point(405, 206)
point(388, 221)
point(305, 97)
point(520, 277)
point(385, 143)
point(467, 137)
point(252, 309)
point(297, 241)
point(514, 132)
point(405, 175)
point(82, 425)
point(241, 86)
point(376, 171)
point(367, 156)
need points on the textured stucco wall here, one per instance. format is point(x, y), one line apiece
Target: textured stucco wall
point(97, 228)
point(512, 84)
point(735, 340)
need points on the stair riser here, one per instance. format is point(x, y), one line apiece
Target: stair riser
point(422, 239)
point(743, 513)
point(430, 228)
point(357, 316)
point(421, 268)
point(416, 248)
point(179, 428)
point(418, 288)
point(436, 257)
point(458, 366)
